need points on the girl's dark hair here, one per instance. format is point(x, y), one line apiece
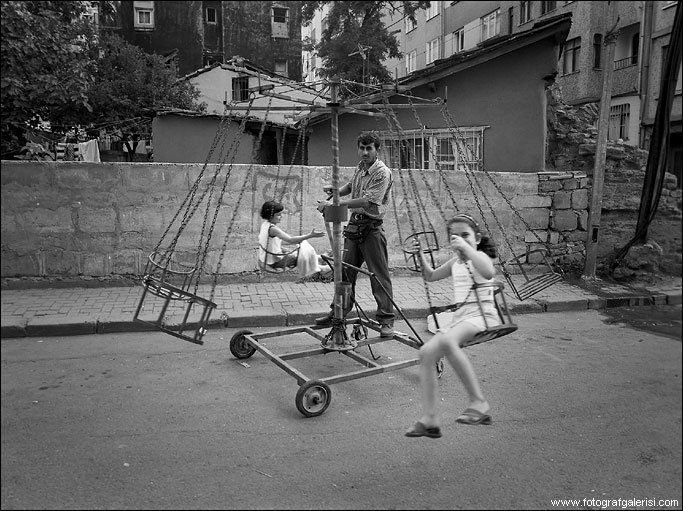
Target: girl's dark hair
point(270, 208)
point(485, 244)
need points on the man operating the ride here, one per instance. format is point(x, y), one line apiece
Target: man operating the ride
point(364, 237)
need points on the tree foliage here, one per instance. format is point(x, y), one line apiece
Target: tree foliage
point(354, 27)
point(47, 64)
point(129, 85)
point(56, 67)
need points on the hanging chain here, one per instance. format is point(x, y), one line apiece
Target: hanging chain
point(388, 116)
point(221, 134)
point(432, 151)
point(413, 185)
point(449, 123)
point(256, 149)
point(299, 144)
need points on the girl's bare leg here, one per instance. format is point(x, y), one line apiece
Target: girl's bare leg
point(463, 367)
point(430, 354)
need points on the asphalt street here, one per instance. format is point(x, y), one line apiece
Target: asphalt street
point(585, 405)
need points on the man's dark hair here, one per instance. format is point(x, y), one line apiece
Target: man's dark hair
point(369, 137)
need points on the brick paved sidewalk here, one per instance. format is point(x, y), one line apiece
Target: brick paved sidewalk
point(70, 311)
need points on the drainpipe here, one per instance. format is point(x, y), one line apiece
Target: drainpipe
point(648, 20)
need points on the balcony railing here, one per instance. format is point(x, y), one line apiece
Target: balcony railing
point(627, 62)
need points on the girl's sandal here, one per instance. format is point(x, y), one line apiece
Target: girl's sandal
point(473, 417)
point(419, 429)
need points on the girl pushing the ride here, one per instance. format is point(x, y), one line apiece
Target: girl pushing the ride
point(471, 264)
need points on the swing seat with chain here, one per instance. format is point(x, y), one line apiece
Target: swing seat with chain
point(428, 241)
point(170, 301)
point(506, 326)
point(269, 267)
point(528, 285)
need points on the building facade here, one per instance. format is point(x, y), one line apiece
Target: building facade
point(643, 29)
point(197, 34)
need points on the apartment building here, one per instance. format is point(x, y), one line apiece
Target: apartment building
point(198, 34)
point(643, 30)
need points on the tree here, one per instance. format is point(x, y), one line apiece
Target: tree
point(129, 86)
point(56, 68)
point(48, 61)
point(358, 27)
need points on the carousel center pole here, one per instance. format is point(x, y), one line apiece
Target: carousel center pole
point(337, 338)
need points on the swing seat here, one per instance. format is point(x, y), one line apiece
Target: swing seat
point(527, 285)
point(164, 274)
point(506, 326)
point(429, 243)
point(195, 316)
point(269, 267)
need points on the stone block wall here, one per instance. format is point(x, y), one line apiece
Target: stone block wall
point(76, 219)
point(572, 143)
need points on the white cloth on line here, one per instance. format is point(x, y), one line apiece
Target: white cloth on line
point(90, 150)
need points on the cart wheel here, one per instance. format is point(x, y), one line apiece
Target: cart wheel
point(239, 346)
point(313, 398)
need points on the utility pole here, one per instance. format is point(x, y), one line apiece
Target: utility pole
point(601, 149)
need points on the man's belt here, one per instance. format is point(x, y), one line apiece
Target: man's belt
point(360, 217)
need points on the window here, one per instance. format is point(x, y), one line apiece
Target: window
point(279, 25)
point(210, 15)
point(434, 149)
point(240, 88)
point(433, 10)
point(524, 12)
point(410, 25)
point(572, 52)
point(281, 67)
point(546, 7)
point(411, 62)
point(432, 50)
point(280, 15)
point(144, 15)
point(619, 116)
point(454, 42)
point(597, 50)
point(92, 13)
point(490, 25)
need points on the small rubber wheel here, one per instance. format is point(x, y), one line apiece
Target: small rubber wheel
point(313, 398)
point(239, 346)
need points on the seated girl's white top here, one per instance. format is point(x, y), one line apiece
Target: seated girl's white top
point(464, 276)
point(272, 244)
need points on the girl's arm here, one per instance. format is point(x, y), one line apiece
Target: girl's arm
point(481, 261)
point(430, 274)
point(293, 240)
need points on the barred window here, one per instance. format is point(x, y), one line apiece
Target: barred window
point(619, 116)
point(440, 149)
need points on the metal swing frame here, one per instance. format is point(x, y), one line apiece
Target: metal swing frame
point(314, 395)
